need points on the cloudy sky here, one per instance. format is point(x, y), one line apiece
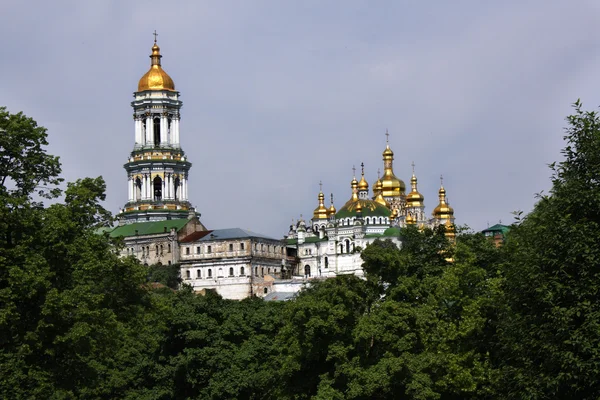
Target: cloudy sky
point(281, 94)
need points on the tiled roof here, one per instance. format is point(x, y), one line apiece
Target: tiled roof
point(233, 233)
point(148, 228)
point(192, 237)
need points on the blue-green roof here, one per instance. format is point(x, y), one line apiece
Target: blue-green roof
point(148, 228)
point(498, 228)
point(233, 233)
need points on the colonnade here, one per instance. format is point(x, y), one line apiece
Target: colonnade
point(145, 189)
point(169, 135)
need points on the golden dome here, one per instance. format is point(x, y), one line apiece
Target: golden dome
point(363, 185)
point(156, 78)
point(410, 220)
point(391, 185)
point(414, 198)
point(394, 215)
point(332, 209)
point(320, 212)
point(443, 210)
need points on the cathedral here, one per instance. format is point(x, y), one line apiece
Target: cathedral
point(159, 226)
point(331, 243)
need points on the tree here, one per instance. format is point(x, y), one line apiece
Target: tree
point(549, 332)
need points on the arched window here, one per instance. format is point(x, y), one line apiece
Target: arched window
point(347, 246)
point(341, 248)
point(266, 290)
point(175, 188)
point(187, 274)
point(198, 274)
point(156, 249)
point(242, 271)
point(230, 271)
point(138, 189)
point(307, 270)
point(156, 132)
point(157, 188)
point(268, 271)
point(326, 262)
point(262, 271)
point(368, 220)
point(161, 249)
point(209, 273)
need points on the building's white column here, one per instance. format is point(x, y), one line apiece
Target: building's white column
point(130, 189)
point(175, 131)
point(164, 126)
point(149, 131)
point(186, 188)
point(170, 186)
point(164, 188)
point(138, 131)
point(182, 189)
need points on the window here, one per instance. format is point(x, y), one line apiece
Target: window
point(230, 246)
point(161, 249)
point(326, 262)
point(268, 270)
point(209, 273)
point(231, 271)
point(220, 272)
point(266, 290)
point(307, 270)
point(197, 249)
point(157, 187)
point(262, 271)
point(347, 246)
point(198, 274)
point(208, 249)
point(156, 131)
point(187, 274)
point(187, 251)
point(169, 262)
point(242, 271)
point(241, 246)
point(169, 248)
point(156, 249)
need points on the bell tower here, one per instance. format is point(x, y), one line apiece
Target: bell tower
point(157, 170)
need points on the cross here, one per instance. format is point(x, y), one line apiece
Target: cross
point(320, 186)
point(362, 165)
point(378, 173)
point(413, 167)
point(354, 171)
point(387, 136)
point(442, 180)
point(331, 198)
point(155, 35)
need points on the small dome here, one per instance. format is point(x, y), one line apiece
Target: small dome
point(363, 185)
point(320, 212)
point(414, 198)
point(443, 209)
point(156, 78)
point(410, 220)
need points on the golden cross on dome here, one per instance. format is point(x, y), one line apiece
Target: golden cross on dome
point(362, 166)
point(413, 167)
point(378, 173)
point(320, 186)
point(354, 171)
point(442, 180)
point(387, 136)
point(331, 198)
point(155, 35)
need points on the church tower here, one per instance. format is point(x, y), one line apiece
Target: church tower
point(157, 170)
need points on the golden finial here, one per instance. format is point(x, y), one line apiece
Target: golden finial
point(155, 35)
point(362, 166)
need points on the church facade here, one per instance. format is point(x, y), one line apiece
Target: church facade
point(330, 244)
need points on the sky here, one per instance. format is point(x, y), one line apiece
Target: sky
point(279, 95)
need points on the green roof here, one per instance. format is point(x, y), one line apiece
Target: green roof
point(497, 228)
point(148, 228)
point(370, 208)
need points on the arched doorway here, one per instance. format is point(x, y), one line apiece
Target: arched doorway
point(157, 188)
point(307, 270)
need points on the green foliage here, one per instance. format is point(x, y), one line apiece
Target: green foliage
point(550, 326)
point(168, 275)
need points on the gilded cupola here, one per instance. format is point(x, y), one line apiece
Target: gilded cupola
point(363, 205)
point(414, 198)
point(410, 219)
point(391, 185)
point(363, 185)
point(156, 78)
point(321, 211)
point(443, 209)
point(332, 209)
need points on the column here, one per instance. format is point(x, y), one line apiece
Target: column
point(149, 131)
point(164, 126)
point(183, 189)
point(130, 189)
point(186, 188)
point(138, 131)
point(175, 130)
point(164, 187)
